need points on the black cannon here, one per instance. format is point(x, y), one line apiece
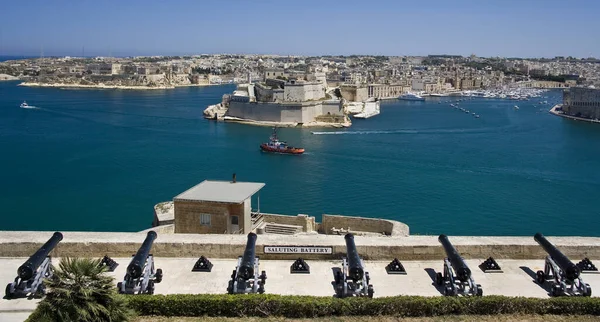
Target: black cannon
point(245, 278)
point(456, 278)
point(31, 274)
point(565, 275)
point(141, 276)
point(352, 280)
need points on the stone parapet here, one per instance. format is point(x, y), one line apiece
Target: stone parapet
point(98, 244)
point(359, 224)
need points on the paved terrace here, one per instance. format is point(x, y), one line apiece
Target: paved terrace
point(98, 244)
point(516, 280)
point(422, 256)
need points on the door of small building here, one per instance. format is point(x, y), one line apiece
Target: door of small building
point(234, 224)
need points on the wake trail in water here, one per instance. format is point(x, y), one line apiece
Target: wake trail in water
point(450, 131)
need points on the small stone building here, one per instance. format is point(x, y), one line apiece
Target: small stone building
point(216, 207)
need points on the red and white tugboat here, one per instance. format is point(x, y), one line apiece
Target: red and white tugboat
point(276, 146)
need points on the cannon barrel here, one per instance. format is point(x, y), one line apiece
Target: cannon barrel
point(247, 265)
point(136, 267)
point(355, 268)
point(571, 270)
point(458, 264)
point(27, 270)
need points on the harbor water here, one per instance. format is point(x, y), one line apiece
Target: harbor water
point(99, 160)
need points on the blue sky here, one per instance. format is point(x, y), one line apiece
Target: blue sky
point(510, 28)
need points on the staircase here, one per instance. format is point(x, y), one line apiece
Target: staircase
point(257, 220)
point(281, 229)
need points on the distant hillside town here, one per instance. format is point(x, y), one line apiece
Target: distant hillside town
point(306, 91)
point(382, 76)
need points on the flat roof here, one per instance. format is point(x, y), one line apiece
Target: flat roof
point(221, 191)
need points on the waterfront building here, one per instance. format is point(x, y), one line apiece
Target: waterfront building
point(383, 91)
point(355, 93)
point(216, 207)
point(582, 102)
point(274, 73)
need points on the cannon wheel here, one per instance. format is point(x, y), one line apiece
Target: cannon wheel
point(370, 291)
point(9, 291)
point(150, 287)
point(556, 290)
point(230, 287)
point(338, 277)
point(448, 291)
point(41, 290)
point(158, 275)
point(479, 290)
point(439, 279)
point(119, 286)
point(588, 290)
point(540, 277)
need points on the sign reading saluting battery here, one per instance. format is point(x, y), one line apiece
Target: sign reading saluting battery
point(297, 250)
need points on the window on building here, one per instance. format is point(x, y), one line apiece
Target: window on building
point(235, 220)
point(205, 219)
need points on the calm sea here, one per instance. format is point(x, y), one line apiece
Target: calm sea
point(98, 160)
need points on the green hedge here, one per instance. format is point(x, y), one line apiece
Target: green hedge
point(309, 306)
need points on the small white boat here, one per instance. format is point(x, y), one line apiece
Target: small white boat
point(516, 107)
point(477, 116)
point(411, 97)
point(24, 105)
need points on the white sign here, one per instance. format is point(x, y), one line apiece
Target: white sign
point(297, 250)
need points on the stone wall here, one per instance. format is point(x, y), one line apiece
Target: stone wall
point(95, 244)
point(302, 92)
point(354, 93)
point(187, 220)
point(307, 223)
point(582, 102)
point(360, 224)
point(333, 107)
point(292, 112)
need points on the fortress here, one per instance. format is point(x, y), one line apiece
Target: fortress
point(283, 99)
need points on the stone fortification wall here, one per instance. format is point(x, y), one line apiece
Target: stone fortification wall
point(582, 102)
point(274, 112)
point(307, 223)
point(302, 92)
point(333, 107)
point(94, 244)
point(360, 224)
point(255, 111)
point(354, 93)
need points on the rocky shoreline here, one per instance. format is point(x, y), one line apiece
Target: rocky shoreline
point(103, 86)
point(286, 124)
point(5, 77)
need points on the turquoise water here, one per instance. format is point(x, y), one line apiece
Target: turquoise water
point(98, 160)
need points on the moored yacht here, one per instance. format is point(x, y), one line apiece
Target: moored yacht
point(411, 97)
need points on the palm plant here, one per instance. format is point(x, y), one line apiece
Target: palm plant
point(81, 291)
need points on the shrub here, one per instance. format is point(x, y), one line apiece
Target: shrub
point(308, 306)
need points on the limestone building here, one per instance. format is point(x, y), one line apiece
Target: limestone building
point(216, 207)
